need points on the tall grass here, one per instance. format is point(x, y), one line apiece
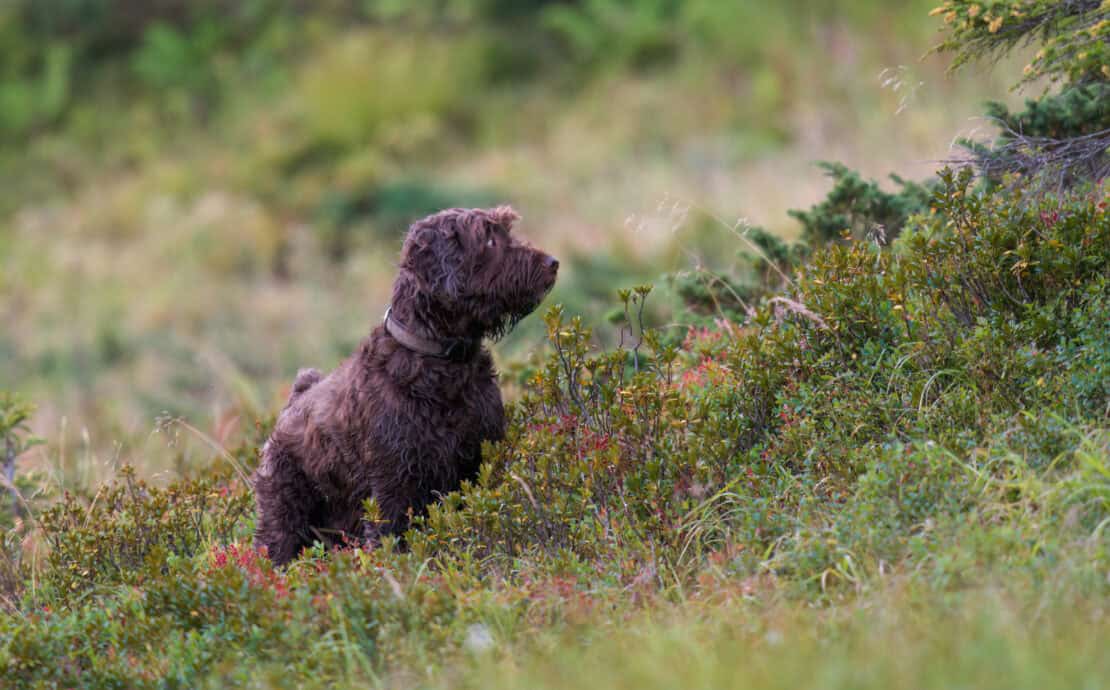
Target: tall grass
point(993, 638)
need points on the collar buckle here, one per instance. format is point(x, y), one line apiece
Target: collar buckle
point(459, 349)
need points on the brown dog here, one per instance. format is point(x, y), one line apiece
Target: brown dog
point(402, 420)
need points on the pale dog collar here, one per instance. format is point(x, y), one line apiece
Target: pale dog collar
point(453, 349)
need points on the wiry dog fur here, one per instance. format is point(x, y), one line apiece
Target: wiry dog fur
point(392, 423)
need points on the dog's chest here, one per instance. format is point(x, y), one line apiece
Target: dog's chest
point(442, 429)
point(431, 432)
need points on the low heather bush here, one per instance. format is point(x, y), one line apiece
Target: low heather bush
point(932, 411)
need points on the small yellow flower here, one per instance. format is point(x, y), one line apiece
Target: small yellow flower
point(974, 11)
point(944, 8)
point(950, 17)
point(1106, 71)
point(995, 25)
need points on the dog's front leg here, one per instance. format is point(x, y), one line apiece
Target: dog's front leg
point(394, 514)
point(287, 505)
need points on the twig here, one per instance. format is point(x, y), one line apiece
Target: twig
point(9, 478)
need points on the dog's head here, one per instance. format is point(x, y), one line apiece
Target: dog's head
point(464, 274)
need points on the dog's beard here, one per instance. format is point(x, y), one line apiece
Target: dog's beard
point(509, 320)
point(507, 323)
point(523, 296)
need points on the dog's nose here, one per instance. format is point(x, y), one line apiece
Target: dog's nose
point(552, 263)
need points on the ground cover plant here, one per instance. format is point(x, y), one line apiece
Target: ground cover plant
point(885, 462)
point(931, 425)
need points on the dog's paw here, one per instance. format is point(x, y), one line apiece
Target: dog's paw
point(371, 535)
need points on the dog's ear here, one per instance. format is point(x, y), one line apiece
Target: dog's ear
point(503, 216)
point(431, 252)
point(423, 238)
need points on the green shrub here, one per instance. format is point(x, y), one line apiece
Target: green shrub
point(127, 532)
point(952, 330)
point(1034, 142)
point(1083, 358)
point(180, 62)
point(1059, 140)
point(859, 209)
point(638, 33)
point(761, 268)
point(15, 440)
point(55, 53)
point(372, 88)
point(931, 411)
point(35, 81)
point(1075, 35)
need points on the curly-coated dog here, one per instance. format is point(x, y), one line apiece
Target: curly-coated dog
point(403, 419)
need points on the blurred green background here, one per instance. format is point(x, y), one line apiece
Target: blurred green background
point(201, 196)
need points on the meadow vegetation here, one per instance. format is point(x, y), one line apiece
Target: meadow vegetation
point(872, 453)
point(186, 189)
